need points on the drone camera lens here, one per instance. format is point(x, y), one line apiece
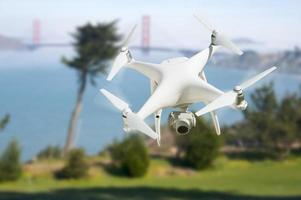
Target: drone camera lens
point(182, 129)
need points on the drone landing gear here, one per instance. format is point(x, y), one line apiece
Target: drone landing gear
point(157, 125)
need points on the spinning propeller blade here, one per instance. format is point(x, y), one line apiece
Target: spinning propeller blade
point(203, 23)
point(119, 62)
point(256, 78)
point(123, 57)
point(218, 38)
point(118, 103)
point(130, 36)
point(132, 120)
point(229, 98)
point(226, 99)
point(224, 41)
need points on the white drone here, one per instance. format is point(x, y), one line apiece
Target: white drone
point(179, 82)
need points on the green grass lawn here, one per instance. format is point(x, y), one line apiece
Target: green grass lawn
point(228, 179)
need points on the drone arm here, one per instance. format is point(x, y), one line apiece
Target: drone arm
point(200, 59)
point(125, 59)
point(229, 98)
point(157, 114)
point(159, 99)
point(152, 71)
point(199, 91)
point(132, 120)
point(213, 114)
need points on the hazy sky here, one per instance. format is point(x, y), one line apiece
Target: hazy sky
point(274, 22)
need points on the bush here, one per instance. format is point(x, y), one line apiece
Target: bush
point(76, 166)
point(10, 166)
point(50, 152)
point(131, 156)
point(200, 147)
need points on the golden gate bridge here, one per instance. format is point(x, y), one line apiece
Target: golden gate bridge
point(145, 44)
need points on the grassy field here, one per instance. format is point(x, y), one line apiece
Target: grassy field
point(228, 179)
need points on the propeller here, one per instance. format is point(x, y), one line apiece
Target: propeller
point(118, 103)
point(124, 56)
point(218, 38)
point(132, 120)
point(230, 98)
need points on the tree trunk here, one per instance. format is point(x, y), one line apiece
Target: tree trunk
point(75, 115)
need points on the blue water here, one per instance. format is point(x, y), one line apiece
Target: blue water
point(39, 94)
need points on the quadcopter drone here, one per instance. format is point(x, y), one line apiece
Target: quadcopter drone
point(179, 82)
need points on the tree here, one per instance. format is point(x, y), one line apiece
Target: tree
point(200, 147)
point(10, 166)
point(270, 127)
point(262, 115)
point(50, 152)
point(289, 118)
point(131, 155)
point(95, 45)
point(4, 121)
point(76, 166)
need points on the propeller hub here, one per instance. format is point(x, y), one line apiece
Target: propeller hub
point(123, 49)
point(214, 33)
point(213, 37)
point(237, 89)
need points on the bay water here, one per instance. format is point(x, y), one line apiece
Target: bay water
point(39, 93)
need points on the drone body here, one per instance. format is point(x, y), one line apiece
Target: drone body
point(179, 82)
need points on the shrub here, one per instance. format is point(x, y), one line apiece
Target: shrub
point(200, 147)
point(131, 156)
point(10, 166)
point(76, 166)
point(50, 152)
point(269, 126)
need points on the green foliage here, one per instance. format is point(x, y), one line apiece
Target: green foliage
point(10, 166)
point(131, 156)
point(4, 121)
point(269, 125)
point(271, 180)
point(50, 152)
point(263, 114)
point(264, 99)
point(200, 147)
point(76, 166)
point(95, 45)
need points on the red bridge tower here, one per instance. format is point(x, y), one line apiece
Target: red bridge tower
point(145, 42)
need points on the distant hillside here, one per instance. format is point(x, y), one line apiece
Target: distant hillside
point(288, 61)
point(7, 43)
